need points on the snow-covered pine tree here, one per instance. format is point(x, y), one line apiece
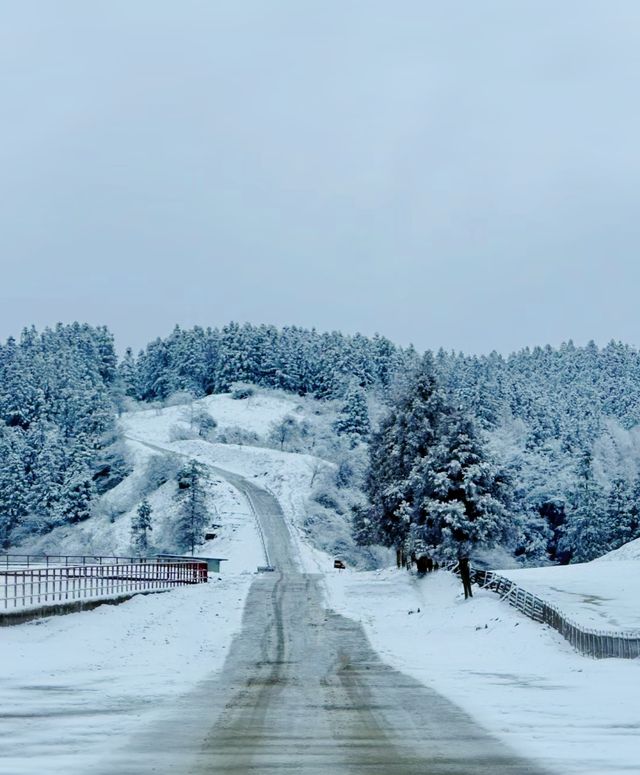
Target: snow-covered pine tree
point(621, 513)
point(140, 526)
point(459, 494)
point(128, 375)
point(14, 485)
point(46, 490)
point(405, 437)
point(78, 489)
point(193, 514)
point(353, 420)
point(586, 534)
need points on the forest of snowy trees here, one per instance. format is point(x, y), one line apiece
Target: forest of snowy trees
point(204, 361)
point(538, 452)
point(59, 445)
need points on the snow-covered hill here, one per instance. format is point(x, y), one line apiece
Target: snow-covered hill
point(302, 475)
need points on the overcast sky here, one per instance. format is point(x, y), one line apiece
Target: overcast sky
point(463, 174)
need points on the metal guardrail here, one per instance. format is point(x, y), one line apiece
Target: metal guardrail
point(39, 586)
point(47, 560)
point(600, 644)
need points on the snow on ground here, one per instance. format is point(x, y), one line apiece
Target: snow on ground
point(71, 687)
point(293, 477)
point(286, 475)
point(522, 681)
point(596, 595)
point(255, 414)
point(630, 551)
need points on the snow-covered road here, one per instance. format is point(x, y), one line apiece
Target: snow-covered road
point(302, 691)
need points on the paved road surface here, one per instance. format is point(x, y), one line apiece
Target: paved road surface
point(302, 692)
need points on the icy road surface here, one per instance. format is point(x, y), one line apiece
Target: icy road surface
point(303, 692)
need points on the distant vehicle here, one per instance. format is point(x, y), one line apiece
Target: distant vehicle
point(209, 536)
point(339, 564)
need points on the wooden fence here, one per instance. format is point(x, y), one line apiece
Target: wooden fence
point(594, 643)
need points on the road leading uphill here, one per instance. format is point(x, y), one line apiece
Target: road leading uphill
point(303, 692)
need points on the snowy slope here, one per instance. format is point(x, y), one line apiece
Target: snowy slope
point(255, 414)
point(630, 551)
point(595, 595)
point(109, 531)
point(291, 477)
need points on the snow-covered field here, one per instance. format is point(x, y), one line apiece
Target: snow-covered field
point(596, 595)
point(520, 680)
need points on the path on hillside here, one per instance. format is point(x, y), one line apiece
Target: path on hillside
point(303, 692)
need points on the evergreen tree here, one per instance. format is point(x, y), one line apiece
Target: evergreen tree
point(621, 514)
point(140, 526)
point(405, 437)
point(459, 494)
point(353, 420)
point(13, 483)
point(128, 375)
point(193, 514)
point(586, 534)
point(78, 488)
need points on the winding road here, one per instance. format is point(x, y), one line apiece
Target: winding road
point(303, 692)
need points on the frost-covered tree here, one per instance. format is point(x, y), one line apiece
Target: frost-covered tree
point(128, 375)
point(459, 496)
point(14, 483)
point(353, 420)
point(586, 534)
point(285, 431)
point(78, 489)
point(431, 483)
point(57, 405)
point(140, 525)
point(405, 437)
point(193, 514)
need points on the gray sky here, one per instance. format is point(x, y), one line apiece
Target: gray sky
point(462, 174)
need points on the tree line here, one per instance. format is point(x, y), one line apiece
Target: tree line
point(548, 438)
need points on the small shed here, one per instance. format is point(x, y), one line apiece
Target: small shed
point(213, 563)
